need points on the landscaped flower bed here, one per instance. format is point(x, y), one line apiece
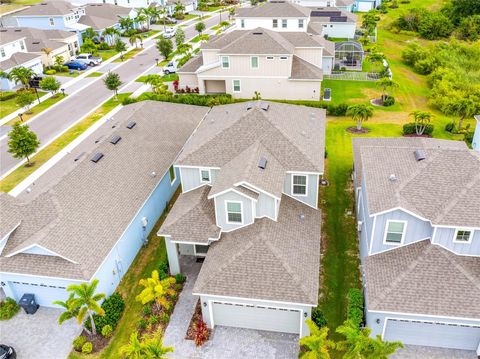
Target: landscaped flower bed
point(197, 329)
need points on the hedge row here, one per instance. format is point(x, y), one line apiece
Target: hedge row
point(409, 129)
point(187, 99)
point(113, 307)
point(355, 306)
point(7, 96)
point(332, 109)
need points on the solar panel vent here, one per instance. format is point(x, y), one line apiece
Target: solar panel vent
point(115, 139)
point(131, 125)
point(96, 157)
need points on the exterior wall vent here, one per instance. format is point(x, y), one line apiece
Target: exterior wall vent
point(131, 125)
point(115, 139)
point(419, 155)
point(262, 163)
point(96, 157)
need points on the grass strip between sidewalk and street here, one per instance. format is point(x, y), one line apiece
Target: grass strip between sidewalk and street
point(95, 74)
point(22, 172)
point(128, 55)
point(37, 109)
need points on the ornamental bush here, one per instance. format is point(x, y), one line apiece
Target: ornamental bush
point(7, 96)
point(50, 72)
point(87, 348)
point(113, 307)
point(78, 342)
point(409, 129)
point(318, 317)
point(180, 278)
point(8, 308)
point(355, 306)
point(389, 101)
point(107, 331)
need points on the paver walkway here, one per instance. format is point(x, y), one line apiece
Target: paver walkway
point(225, 342)
point(420, 352)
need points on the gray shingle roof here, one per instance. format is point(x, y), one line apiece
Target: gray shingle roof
point(17, 59)
point(267, 260)
point(328, 11)
point(295, 135)
point(48, 8)
point(101, 16)
point(83, 215)
point(303, 70)
point(192, 218)
point(9, 214)
point(444, 188)
point(423, 278)
point(274, 9)
point(191, 65)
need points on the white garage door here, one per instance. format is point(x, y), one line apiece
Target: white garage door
point(256, 317)
point(44, 295)
point(433, 334)
point(364, 6)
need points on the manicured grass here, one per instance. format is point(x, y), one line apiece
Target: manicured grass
point(128, 55)
point(22, 172)
point(150, 33)
point(37, 109)
point(215, 8)
point(95, 74)
point(165, 78)
point(147, 259)
point(74, 73)
point(189, 17)
point(200, 37)
point(16, 4)
point(9, 106)
point(106, 54)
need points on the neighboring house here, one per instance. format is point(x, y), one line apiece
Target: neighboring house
point(279, 65)
point(87, 217)
point(476, 135)
point(47, 43)
point(346, 5)
point(13, 53)
point(190, 5)
point(418, 211)
point(366, 5)
point(53, 15)
point(332, 23)
point(136, 4)
point(250, 178)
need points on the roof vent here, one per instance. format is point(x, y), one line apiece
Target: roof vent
point(35, 42)
point(262, 163)
point(115, 139)
point(264, 106)
point(96, 157)
point(419, 155)
point(17, 30)
point(257, 33)
point(79, 157)
point(249, 106)
point(131, 125)
point(302, 217)
point(392, 177)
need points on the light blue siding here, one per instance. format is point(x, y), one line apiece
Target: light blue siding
point(312, 190)
point(364, 216)
point(221, 214)
point(416, 230)
point(265, 206)
point(444, 237)
point(42, 22)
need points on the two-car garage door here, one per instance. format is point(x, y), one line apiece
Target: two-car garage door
point(44, 295)
point(433, 334)
point(256, 317)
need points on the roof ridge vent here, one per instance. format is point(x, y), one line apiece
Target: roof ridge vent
point(419, 155)
point(96, 157)
point(392, 177)
point(249, 105)
point(262, 164)
point(257, 33)
point(264, 106)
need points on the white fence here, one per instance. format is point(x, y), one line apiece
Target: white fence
point(353, 76)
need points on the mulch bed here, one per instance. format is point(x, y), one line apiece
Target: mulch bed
point(354, 130)
point(196, 317)
point(415, 135)
point(98, 341)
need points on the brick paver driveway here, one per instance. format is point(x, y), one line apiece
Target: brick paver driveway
point(39, 336)
point(418, 352)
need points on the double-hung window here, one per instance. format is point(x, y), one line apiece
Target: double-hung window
point(462, 236)
point(205, 175)
point(225, 62)
point(254, 62)
point(284, 23)
point(395, 231)
point(275, 23)
point(236, 86)
point(234, 212)
point(300, 23)
point(299, 185)
point(52, 22)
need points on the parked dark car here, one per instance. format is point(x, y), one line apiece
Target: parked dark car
point(7, 352)
point(76, 65)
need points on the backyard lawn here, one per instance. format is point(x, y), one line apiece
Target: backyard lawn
point(22, 172)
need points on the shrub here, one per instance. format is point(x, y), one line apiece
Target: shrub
point(128, 101)
point(8, 308)
point(7, 96)
point(469, 138)
point(142, 324)
point(87, 348)
point(113, 307)
point(154, 319)
point(78, 342)
point(164, 318)
point(147, 309)
point(355, 306)
point(107, 331)
point(50, 72)
point(180, 278)
point(318, 317)
point(103, 46)
point(450, 127)
point(409, 129)
point(163, 267)
point(389, 101)
point(337, 110)
point(201, 333)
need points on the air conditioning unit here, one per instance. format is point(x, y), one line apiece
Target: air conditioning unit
point(359, 226)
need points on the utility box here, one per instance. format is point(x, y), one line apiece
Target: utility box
point(327, 94)
point(28, 303)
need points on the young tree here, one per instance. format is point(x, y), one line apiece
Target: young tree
point(360, 113)
point(179, 37)
point(51, 84)
point(86, 301)
point(112, 82)
point(156, 290)
point(21, 75)
point(89, 47)
point(179, 8)
point(154, 348)
point(422, 118)
point(141, 19)
point(22, 142)
point(157, 84)
point(165, 47)
point(25, 99)
point(317, 344)
point(462, 105)
point(120, 47)
point(59, 60)
point(200, 27)
point(386, 84)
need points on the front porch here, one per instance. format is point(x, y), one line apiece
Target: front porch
point(182, 255)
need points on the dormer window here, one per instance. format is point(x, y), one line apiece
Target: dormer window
point(299, 185)
point(205, 175)
point(234, 212)
point(395, 232)
point(463, 236)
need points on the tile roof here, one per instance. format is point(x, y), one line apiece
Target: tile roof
point(73, 217)
point(192, 65)
point(423, 278)
point(295, 135)
point(443, 188)
point(274, 9)
point(56, 7)
point(267, 260)
point(303, 70)
point(17, 59)
point(192, 218)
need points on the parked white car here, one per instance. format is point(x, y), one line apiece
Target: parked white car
point(89, 59)
point(170, 32)
point(170, 68)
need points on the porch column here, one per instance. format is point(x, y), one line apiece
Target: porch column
point(172, 253)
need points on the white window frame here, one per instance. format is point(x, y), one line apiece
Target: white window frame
point(285, 21)
point(465, 230)
point(306, 185)
point(2, 52)
point(239, 84)
point(241, 212)
point(405, 223)
point(251, 64)
point(51, 21)
point(275, 23)
point(209, 175)
point(301, 21)
point(228, 61)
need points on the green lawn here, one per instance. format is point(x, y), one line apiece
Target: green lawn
point(200, 37)
point(95, 74)
point(74, 73)
point(9, 106)
point(128, 55)
point(145, 262)
point(16, 4)
point(106, 54)
point(37, 109)
point(189, 17)
point(165, 78)
point(22, 172)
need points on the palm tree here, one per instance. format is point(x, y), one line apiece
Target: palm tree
point(357, 342)
point(125, 23)
point(111, 34)
point(134, 38)
point(70, 312)
point(383, 350)
point(87, 302)
point(47, 51)
point(385, 83)
point(179, 8)
point(156, 290)
point(21, 75)
point(317, 343)
point(134, 349)
point(360, 113)
point(154, 348)
point(141, 19)
point(162, 13)
point(89, 34)
point(149, 13)
point(422, 118)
